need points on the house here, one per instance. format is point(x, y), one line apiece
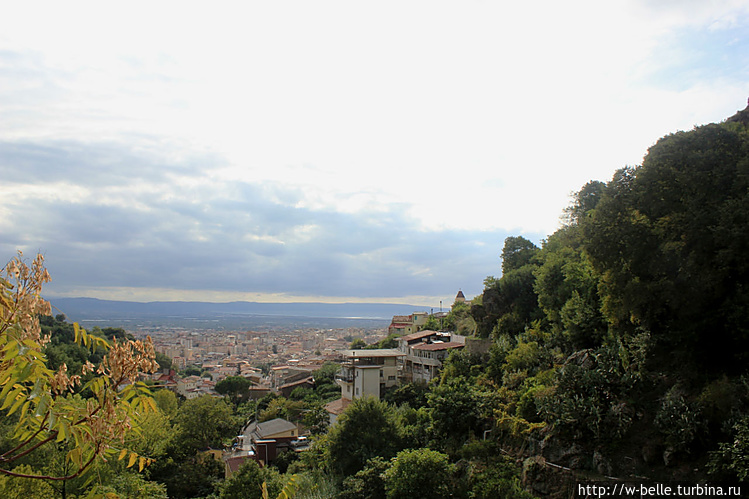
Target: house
point(367, 372)
point(407, 324)
point(285, 374)
point(285, 390)
point(187, 386)
point(166, 379)
point(424, 353)
point(336, 408)
point(194, 386)
point(263, 442)
point(364, 373)
point(268, 438)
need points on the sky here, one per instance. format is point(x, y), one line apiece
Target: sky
point(332, 151)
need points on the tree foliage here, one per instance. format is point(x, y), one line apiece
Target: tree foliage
point(235, 387)
point(419, 473)
point(42, 399)
point(669, 240)
point(248, 482)
point(368, 428)
point(204, 422)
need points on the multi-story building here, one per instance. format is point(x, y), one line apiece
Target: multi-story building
point(364, 373)
point(424, 352)
point(368, 372)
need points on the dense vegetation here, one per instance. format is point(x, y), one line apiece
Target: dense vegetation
point(621, 343)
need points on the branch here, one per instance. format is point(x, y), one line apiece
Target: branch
point(26, 442)
point(53, 435)
point(47, 477)
point(29, 450)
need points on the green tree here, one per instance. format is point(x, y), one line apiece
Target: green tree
point(325, 385)
point(432, 324)
point(391, 341)
point(235, 387)
point(733, 457)
point(367, 428)
point(459, 319)
point(13, 487)
point(670, 242)
point(284, 408)
point(516, 253)
point(165, 363)
point(247, 482)
point(413, 394)
point(456, 413)
point(316, 418)
point(166, 401)
point(419, 473)
point(368, 483)
point(585, 200)
point(132, 486)
point(188, 476)
point(358, 344)
point(462, 364)
point(497, 479)
point(204, 422)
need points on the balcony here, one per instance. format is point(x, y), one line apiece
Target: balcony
point(345, 375)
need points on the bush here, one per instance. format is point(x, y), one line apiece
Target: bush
point(419, 473)
point(678, 420)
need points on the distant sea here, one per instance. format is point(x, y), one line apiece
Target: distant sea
point(234, 316)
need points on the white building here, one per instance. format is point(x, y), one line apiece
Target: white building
point(364, 373)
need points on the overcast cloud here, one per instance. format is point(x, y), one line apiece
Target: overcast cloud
point(332, 151)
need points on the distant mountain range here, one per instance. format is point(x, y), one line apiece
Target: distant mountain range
point(92, 309)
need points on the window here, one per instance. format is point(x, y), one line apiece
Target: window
point(391, 378)
point(357, 390)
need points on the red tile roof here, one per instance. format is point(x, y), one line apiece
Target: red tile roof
point(337, 406)
point(235, 462)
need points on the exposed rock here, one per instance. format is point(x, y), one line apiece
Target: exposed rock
point(582, 358)
point(602, 464)
point(534, 475)
point(740, 117)
point(668, 456)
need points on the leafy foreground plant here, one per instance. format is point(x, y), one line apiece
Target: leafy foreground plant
point(43, 401)
point(288, 491)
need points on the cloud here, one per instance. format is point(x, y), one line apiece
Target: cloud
point(333, 148)
point(188, 231)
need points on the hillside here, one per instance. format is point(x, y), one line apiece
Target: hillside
point(621, 344)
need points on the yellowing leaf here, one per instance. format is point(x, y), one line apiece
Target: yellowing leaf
point(122, 455)
point(133, 458)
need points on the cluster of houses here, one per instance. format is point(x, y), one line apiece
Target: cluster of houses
point(418, 358)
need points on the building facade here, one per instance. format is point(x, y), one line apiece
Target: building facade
point(425, 352)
